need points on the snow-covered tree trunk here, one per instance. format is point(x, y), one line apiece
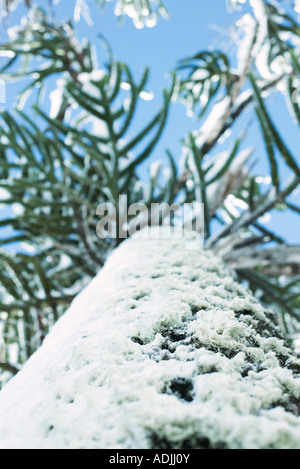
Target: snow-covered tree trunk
point(164, 349)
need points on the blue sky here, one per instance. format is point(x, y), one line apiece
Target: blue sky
point(194, 25)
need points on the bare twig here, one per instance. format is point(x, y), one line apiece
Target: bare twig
point(266, 203)
point(283, 256)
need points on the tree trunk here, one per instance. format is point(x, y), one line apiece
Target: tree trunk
point(164, 349)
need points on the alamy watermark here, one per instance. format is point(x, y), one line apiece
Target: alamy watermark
point(2, 92)
point(296, 93)
point(172, 221)
point(2, 351)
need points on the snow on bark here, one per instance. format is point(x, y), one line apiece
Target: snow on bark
point(164, 349)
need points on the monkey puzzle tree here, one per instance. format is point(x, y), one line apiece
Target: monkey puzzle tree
point(58, 166)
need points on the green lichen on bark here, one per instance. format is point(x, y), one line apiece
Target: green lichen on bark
point(196, 363)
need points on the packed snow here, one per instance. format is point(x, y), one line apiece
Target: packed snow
point(164, 349)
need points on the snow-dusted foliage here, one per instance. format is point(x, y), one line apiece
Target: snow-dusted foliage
point(142, 12)
point(164, 349)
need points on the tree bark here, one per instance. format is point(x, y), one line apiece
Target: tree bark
point(164, 349)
